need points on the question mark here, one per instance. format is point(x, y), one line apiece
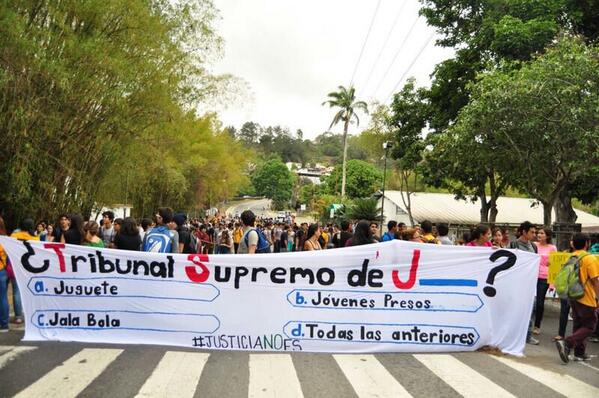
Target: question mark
point(507, 264)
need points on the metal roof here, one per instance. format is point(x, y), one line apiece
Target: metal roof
point(443, 207)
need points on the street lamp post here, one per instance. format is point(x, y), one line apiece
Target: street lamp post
point(386, 146)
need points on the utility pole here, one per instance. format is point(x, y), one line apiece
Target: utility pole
point(386, 146)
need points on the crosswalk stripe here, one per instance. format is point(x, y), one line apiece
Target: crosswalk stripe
point(11, 352)
point(558, 382)
point(465, 380)
point(273, 375)
point(369, 378)
point(73, 375)
point(177, 374)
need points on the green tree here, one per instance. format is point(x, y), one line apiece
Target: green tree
point(545, 112)
point(409, 113)
point(345, 99)
point(80, 80)
point(275, 181)
point(363, 179)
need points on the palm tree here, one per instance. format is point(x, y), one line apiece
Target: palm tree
point(346, 100)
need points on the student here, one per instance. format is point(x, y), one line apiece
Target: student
point(185, 241)
point(498, 238)
point(391, 231)
point(584, 310)
point(128, 237)
point(107, 231)
point(91, 230)
point(312, 238)
point(4, 309)
point(249, 241)
point(443, 231)
point(374, 227)
point(237, 234)
point(427, 232)
point(544, 248)
point(225, 242)
point(411, 235)
point(74, 235)
point(162, 239)
point(362, 235)
point(526, 233)
point(480, 236)
point(27, 232)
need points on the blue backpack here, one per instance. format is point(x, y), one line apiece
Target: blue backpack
point(263, 245)
point(159, 240)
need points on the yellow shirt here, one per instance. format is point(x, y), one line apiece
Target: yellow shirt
point(3, 258)
point(21, 235)
point(589, 269)
point(237, 235)
point(430, 238)
point(325, 236)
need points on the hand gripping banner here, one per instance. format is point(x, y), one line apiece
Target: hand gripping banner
point(388, 297)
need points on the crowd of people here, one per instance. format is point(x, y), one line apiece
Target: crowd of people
point(170, 232)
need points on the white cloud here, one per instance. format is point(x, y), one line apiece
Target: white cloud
point(293, 53)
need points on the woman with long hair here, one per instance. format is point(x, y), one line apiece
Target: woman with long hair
point(75, 234)
point(544, 248)
point(480, 236)
point(128, 237)
point(362, 235)
point(225, 242)
point(90, 237)
point(50, 234)
point(312, 237)
point(497, 238)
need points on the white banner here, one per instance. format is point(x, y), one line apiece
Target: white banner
point(389, 297)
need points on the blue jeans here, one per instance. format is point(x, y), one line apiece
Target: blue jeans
point(3, 299)
point(16, 298)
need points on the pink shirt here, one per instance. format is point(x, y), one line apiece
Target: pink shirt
point(486, 244)
point(544, 252)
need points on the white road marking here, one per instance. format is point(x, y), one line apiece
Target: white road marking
point(462, 378)
point(273, 375)
point(12, 352)
point(176, 375)
point(563, 384)
point(369, 378)
point(73, 375)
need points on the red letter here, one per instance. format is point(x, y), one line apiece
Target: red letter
point(191, 272)
point(57, 247)
point(412, 280)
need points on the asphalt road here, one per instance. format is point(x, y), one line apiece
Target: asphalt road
point(260, 207)
point(53, 369)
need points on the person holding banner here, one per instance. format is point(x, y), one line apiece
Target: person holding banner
point(27, 232)
point(527, 232)
point(4, 310)
point(544, 248)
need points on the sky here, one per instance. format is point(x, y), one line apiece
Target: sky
point(293, 53)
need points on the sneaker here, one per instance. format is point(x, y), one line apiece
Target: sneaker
point(536, 331)
point(4, 329)
point(532, 341)
point(594, 339)
point(563, 351)
point(585, 357)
